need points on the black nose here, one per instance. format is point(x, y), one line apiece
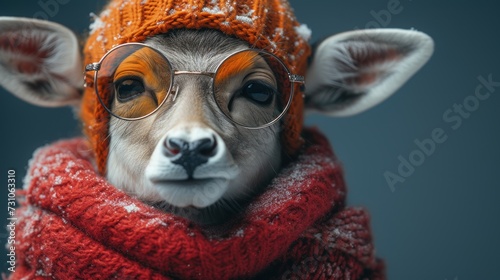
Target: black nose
point(190, 154)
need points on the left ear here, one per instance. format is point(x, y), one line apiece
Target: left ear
point(40, 62)
point(354, 71)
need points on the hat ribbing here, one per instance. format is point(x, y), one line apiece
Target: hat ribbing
point(265, 24)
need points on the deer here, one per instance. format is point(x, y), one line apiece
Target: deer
point(196, 116)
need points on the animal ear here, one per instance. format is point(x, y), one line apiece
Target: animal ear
point(40, 62)
point(354, 71)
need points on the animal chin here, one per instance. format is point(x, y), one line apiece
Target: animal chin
point(199, 193)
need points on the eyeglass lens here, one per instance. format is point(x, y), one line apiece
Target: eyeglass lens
point(136, 79)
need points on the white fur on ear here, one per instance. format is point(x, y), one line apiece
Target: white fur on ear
point(354, 71)
point(40, 62)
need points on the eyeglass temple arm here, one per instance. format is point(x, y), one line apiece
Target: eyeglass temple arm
point(93, 67)
point(297, 79)
point(88, 81)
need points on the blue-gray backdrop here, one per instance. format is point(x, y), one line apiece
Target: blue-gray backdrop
point(442, 221)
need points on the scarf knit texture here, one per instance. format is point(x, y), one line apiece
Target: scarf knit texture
point(74, 225)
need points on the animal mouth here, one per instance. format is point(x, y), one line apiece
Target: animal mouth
point(187, 182)
point(198, 193)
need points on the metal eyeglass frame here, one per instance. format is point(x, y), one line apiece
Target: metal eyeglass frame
point(96, 66)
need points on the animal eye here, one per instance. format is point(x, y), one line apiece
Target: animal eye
point(127, 89)
point(258, 92)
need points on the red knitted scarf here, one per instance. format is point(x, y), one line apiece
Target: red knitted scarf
point(75, 225)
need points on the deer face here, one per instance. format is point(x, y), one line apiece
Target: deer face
point(194, 151)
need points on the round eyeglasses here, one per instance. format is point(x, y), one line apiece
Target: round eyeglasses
point(252, 88)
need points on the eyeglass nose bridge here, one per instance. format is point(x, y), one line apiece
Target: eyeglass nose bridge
point(175, 87)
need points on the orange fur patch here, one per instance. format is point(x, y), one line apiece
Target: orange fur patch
point(236, 64)
point(154, 71)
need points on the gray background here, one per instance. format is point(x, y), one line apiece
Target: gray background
point(442, 222)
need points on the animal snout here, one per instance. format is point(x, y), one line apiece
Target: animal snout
point(190, 148)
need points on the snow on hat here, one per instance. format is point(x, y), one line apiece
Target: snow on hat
point(265, 24)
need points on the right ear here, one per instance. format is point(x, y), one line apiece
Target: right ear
point(354, 71)
point(40, 62)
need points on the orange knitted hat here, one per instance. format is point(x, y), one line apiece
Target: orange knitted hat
point(265, 24)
